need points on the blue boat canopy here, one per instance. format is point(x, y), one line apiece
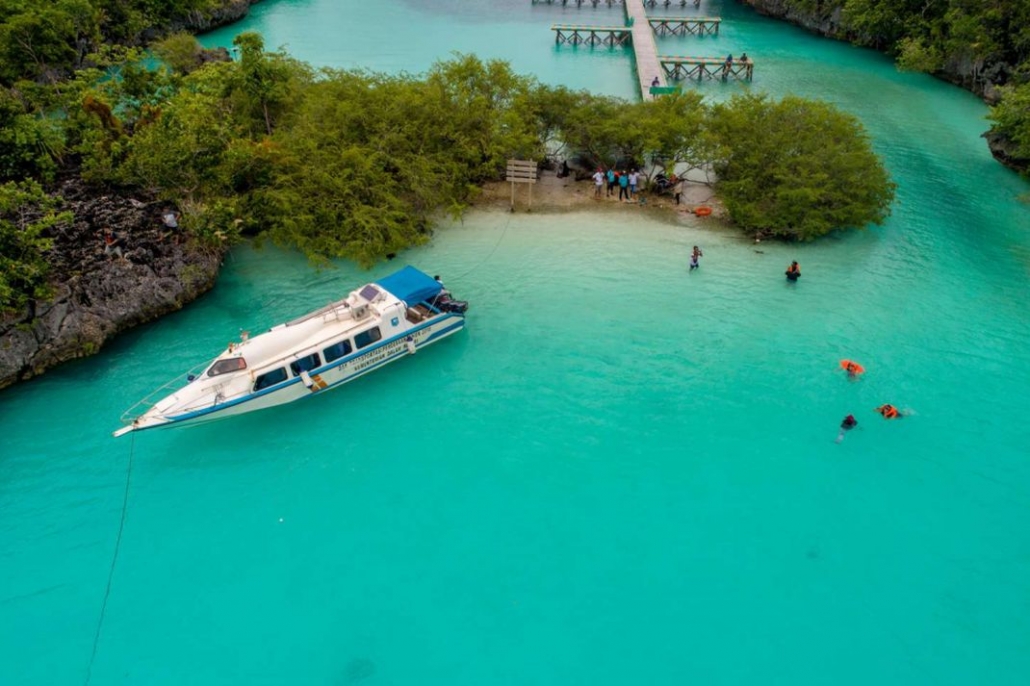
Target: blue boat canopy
point(410, 285)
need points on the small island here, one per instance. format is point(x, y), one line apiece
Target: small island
point(338, 164)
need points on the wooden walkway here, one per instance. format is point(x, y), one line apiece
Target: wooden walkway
point(649, 69)
point(668, 3)
point(575, 34)
point(678, 68)
point(579, 3)
point(653, 71)
point(616, 3)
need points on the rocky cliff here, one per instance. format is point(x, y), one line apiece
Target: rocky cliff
point(227, 13)
point(98, 294)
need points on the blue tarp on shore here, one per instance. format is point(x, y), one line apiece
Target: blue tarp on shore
point(410, 285)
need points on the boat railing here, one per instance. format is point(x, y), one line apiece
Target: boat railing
point(335, 309)
point(180, 381)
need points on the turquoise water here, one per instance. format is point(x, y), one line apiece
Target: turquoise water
point(620, 473)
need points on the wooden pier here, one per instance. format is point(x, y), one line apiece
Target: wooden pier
point(685, 26)
point(649, 69)
point(574, 34)
point(679, 68)
point(580, 3)
point(669, 3)
point(653, 72)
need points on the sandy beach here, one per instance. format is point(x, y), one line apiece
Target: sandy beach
point(553, 194)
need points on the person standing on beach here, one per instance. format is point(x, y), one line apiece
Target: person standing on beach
point(598, 182)
point(677, 189)
point(634, 178)
point(695, 258)
point(611, 181)
point(623, 186)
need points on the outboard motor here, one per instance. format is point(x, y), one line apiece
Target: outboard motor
point(448, 304)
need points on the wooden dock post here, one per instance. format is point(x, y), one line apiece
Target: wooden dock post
point(521, 171)
point(576, 34)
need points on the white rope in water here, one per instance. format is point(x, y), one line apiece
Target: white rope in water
point(114, 560)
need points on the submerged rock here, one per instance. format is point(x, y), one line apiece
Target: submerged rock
point(99, 295)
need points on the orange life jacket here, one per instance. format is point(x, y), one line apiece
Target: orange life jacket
point(794, 269)
point(888, 411)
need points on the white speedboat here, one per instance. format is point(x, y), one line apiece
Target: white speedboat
point(373, 326)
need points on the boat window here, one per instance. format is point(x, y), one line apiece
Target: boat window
point(225, 366)
point(270, 378)
point(337, 350)
point(305, 364)
point(367, 337)
point(369, 292)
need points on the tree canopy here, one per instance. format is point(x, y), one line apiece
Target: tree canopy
point(797, 168)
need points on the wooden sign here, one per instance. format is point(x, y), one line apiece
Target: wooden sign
point(521, 171)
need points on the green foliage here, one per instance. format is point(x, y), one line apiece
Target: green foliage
point(1011, 118)
point(180, 154)
point(26, 212)
point(914, 54)
point(30, 144)
point(47, 39)
point(180, 51)
point(677, 135)
point(36, 44)
point(797, 168)
point(263, 84)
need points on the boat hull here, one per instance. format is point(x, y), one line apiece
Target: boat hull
point(319, 380)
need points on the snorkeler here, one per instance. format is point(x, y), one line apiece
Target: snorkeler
point(793, 271)
point(848, 424)
point(889, 412)
point(852, 368)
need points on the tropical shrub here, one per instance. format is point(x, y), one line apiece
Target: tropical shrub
point(797, 168)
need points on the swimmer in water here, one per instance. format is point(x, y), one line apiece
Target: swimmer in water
point(889, 412)
point(848, 424)
point(852, 368)
point(793, 271)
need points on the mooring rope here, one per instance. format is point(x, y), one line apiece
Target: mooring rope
point(114, 559)
point(484, 260)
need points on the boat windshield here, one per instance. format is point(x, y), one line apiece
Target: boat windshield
point(226, 366)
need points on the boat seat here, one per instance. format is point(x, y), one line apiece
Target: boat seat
point(414, 316)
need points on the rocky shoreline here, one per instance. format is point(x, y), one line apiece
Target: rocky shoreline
point(99, 294)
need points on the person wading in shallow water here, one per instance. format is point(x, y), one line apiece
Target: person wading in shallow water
point(793, 271)
point(695, 258)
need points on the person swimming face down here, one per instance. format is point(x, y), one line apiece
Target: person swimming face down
point(846, 425)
